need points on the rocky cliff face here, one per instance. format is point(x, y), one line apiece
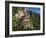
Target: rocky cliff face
point(25, 21)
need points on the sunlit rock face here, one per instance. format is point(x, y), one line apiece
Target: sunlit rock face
point(24, 18)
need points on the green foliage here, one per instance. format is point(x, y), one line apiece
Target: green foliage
point(36, 21)
point(16, 23)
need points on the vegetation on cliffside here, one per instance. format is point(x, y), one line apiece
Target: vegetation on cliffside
point(16, 22)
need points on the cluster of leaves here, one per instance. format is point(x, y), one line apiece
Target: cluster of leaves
point(16, 23)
